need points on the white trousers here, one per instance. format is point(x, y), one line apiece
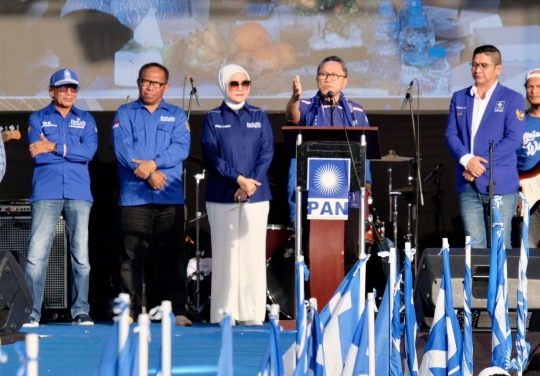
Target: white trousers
point(238, 235)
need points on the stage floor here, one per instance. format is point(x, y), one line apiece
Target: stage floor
point(76, 350)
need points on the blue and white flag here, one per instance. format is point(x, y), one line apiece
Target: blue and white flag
point(357, 361)
point(382, 328)
point(443, 351)
point(522, 346)
point(467, 321)
point(315, 348)
point(302, 335)
point(225, 364)
point(110, 358)
point(411, 326)
point(328, 188)
point(340, 318)
point(128, 364)
point(272, 361)
point(396, 369)
point(497, 304)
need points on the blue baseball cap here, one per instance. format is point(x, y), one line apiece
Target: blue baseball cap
point(64, 77)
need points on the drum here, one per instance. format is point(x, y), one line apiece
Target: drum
point(276, 235)
point(280, 278)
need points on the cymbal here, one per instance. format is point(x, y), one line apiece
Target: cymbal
point(392, 157)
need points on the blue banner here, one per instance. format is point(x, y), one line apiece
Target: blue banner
point(328, 188)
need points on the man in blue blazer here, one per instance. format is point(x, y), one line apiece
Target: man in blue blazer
point(485, 113)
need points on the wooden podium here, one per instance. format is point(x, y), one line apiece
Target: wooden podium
point(326, 250)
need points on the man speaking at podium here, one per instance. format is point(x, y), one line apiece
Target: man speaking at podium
point(328, 107)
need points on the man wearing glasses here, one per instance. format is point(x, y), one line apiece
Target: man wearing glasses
point(63, 140)
point(151, 139)
point(328, 107)
point(483, 114)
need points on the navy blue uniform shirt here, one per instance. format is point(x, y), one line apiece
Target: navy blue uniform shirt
point(163, 136)
point(235, 144)
point(63, 175)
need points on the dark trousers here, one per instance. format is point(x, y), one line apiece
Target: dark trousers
point(163, 227)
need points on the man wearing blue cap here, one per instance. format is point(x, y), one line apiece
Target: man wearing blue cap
point(63, 140)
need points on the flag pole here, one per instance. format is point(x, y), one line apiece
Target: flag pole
point(123, 323)
point(166, 338)
point(144, 335)
point(371, 333)
point(32, 350)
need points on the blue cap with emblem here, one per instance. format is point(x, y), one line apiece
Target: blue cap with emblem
point(64, 77)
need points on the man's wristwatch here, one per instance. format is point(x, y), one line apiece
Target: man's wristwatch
point(55, 149)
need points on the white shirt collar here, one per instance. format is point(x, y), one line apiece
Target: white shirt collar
point(488, 93)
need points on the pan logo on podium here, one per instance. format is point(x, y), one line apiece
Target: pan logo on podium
point(328, 188)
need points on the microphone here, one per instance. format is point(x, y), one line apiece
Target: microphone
point(434, 172)
point(331, 95)
point(407, 96)
point(194, 90)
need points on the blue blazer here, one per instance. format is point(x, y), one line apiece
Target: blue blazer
point(503, 123)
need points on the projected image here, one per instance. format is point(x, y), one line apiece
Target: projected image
point(386, 45)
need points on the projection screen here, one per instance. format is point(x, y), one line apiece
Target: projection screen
point(106, 42)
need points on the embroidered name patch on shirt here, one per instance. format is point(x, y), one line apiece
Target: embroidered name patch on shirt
point(499, 106)
point(77, 123)
point(48, 124)
point(254, 125)
point(168, 119)
point(222, 126)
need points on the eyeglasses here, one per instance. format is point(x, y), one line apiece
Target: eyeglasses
point(482, 66)
point(332, 76)
point(154, 84)
point(64, 88)
point(236, 85)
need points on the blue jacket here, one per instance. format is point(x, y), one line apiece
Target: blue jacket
point(163, 136)
point(233, 145)
point(503, 123)
point(63, 175)
point(313, 112)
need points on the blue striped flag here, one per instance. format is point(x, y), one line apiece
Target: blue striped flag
point(357, 361)
point(225, 363)
point(315, 349)
point(108, 365)
point(396, 369)
point(497, 304)
point(467, 322)
point(411, 326)
point(128, 364)
point(302, 335)
point(522, 346)
point(443, 351)
point(340, 318)
point(272, 362)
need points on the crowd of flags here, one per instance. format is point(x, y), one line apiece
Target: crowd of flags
point(341, 340)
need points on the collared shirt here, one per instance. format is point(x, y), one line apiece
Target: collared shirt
point(234, 144)
point(477, 115)
point(2, 160)
point(163, 136)
point(64, 174)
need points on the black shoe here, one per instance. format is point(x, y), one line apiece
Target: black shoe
point(82, 319)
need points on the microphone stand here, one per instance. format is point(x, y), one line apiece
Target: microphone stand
point(438, 202)
point(491, 193)
point(418, 186)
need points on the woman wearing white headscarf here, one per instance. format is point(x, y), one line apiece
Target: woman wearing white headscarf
point(237, 148)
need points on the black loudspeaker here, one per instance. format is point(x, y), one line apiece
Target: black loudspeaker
point(429, 277)
point(15, 299)
point(14, 233)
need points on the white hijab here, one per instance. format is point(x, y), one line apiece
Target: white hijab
point(224, 77)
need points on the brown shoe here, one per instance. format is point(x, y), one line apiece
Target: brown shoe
point(182, 320)
point(130, 320)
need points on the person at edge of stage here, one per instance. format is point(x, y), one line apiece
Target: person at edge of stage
point(529, 152)
point(237, 148)
point(332, 76)
point(63, 140)
point(151, 139)
point(485, 113)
